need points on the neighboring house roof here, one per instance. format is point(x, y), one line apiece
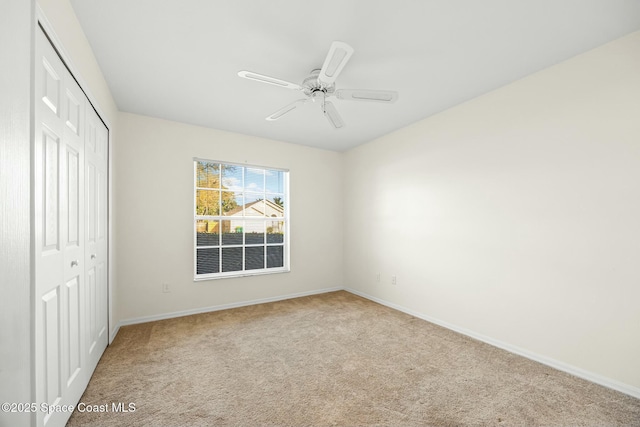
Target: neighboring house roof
point(269, 205)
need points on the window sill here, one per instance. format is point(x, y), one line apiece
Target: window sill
point(231, 275)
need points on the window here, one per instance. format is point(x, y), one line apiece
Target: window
point(241, 220)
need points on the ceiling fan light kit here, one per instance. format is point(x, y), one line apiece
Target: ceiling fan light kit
point(320, 85)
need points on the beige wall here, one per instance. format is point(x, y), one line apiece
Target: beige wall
point(515, 216)
point(154, 177)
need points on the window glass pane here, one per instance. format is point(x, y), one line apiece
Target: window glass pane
point(274, 181)
point(232, 177)
point(275, 256)
point(254, 232)
point(254, 180)
point(207, 202)
point(208, 261)
point(232, 203)
point(207, 174)
point(232, 232)
point(254, 204)
point(231, 259)
point(207, 232)
point(275, 231)
point(253, 257)
point(275, 205)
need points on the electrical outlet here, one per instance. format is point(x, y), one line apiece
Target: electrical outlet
point(393, 280)
point(165, 288)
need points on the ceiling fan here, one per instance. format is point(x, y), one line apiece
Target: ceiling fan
point(320, 85)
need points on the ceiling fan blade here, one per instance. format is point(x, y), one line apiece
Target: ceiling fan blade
point(266, 79)
point(332, 115)
point(367, 95)
point(286, 110)
point(338, 55)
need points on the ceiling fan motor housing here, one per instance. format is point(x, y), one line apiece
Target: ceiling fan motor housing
point(311, 84)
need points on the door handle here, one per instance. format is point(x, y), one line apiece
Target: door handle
point(93, 256)
point(74, 263)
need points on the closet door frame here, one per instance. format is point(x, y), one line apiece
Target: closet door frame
point(42, 21)
point(62, 362)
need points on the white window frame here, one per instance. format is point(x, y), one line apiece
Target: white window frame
point(240, 273)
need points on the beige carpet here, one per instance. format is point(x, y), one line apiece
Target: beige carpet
point(332, 359)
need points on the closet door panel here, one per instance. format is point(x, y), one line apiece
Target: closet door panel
point(73, 239)
point(61, 369)
point(50, 183)
point(96, 251)
point(76, 375)
point(102, 236)
point(52, 347)
point(49, 84)
point(74, 343)
point(49, 227)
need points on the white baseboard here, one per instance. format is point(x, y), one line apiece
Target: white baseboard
point(163, 316)
point(556, 364)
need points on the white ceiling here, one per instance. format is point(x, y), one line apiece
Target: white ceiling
point(179, 59)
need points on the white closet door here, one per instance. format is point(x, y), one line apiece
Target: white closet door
point(96, 237)
point(67, 306)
